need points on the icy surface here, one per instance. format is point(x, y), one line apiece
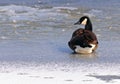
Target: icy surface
point(34, 49)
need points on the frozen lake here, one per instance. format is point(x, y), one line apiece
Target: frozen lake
point(34, 36)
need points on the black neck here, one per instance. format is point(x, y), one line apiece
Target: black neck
point(88, 26)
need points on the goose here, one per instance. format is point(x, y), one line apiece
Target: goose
point(83, 41)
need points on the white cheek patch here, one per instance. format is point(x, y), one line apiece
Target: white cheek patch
point(84, 22)
point(84, 50)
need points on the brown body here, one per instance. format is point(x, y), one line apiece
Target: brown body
point(85, 39)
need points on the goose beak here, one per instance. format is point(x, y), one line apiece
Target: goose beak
point(77, 23)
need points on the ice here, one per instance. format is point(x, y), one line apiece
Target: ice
point(94, 13)
point(34, 46)
point(67, 8)
point(82, 74)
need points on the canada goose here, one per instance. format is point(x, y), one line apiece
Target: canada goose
point(83, 40)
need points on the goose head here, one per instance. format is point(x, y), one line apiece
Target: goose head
point(86, 22)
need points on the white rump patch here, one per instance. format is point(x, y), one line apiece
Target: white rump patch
point(84, 50)
point(84, 21)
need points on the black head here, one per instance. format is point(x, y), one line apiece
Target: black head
point(85, 21)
